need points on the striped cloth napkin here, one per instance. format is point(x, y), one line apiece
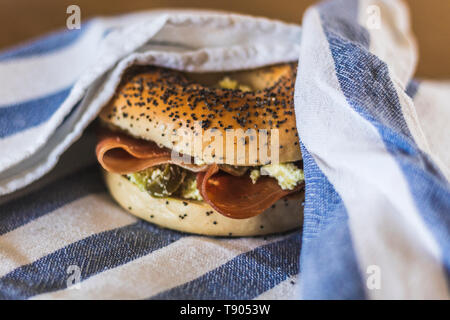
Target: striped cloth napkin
point(376, 150)
point(62, 236)
point(375, 146)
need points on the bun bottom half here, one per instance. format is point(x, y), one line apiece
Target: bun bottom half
point(198, 217)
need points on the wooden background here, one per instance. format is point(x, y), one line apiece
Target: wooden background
point(21, 20)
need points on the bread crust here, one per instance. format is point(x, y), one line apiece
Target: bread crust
point(170, 108)
point(198, 217)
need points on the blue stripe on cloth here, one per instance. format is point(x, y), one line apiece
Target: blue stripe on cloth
point(94, 254)
point(412, 88)
point(246, 276)
point(371, 93)
point(341, 15)
point(328, 265)
point(19, 117)
point(366, 84)
point(20, 211)
point(47, 44)
point(432, 197)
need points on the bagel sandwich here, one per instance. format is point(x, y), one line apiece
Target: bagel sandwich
point(205, 153)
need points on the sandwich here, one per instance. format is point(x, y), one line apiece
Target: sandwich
point(205, 153)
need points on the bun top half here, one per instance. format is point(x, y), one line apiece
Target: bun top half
point(174, 109)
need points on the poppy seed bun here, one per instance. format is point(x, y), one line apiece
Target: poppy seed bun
point(161, 105)
point(198, 217)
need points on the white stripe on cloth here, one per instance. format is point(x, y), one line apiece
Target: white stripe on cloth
point(393, 42)
point(383, 37)
point(20, 144)
point(55, 139)
point(70, 223)
point(180, 262)
point(433, 110)
point(45, 158)
point(71, 161)
point(286, 290)
point(386, 228)
point(28, 78)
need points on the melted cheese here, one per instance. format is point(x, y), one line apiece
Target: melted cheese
point(287, 174)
